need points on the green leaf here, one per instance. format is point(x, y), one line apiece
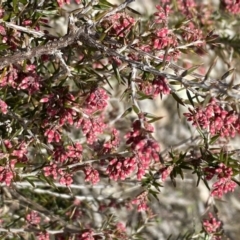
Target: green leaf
point(154, 119)
point(133, 11)
point(20, 165)
point(178, 111)
point(4, 147)
point(17, 133)
point(186, 167)
point(210, 68)
point(15, 5)
point(229, 72)
point(190, 98)
point(181, 22)
point(180, 172)
point(154, 194)
point(206, 184)
point(198, 180)
point(181, 157)
point(170, 236)
point(190, 70)
point(143, 96)
point(48, 180)
point(214, 139)
point(135, 109)
point(129, 110)
point(30, 181)
point(206, 100)
point(178, 99)
point(3, 46)
point(221, 156)
point(103, 5)
point(116, 71)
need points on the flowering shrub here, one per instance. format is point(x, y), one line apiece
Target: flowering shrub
point(82, 155)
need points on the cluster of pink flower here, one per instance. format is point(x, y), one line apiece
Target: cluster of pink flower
point(186, 7)
point(212, 225)
point(162, 15)
point(52, 134)
point(165, 172)
point(16, 153)
point(192, 34)
point(145, 148)
point(70, 153)
point(91, 127)
point(156, 87)
point(215, 119)
point(58, 106)
point(28, 79)
point(10, 38)
point(10, 78)
point(96, 100)
point(33, 218)
point(3, 107)
point(7, 172)
point(118, 24)
point(91, 174)
point(61, 156)
point(56, 171)
point(43, 236)
point(164, 38)
point(118, 231)
point(224, 182)
point(232, 6)
point(112, 144)
point(141, 202)
point(1, 12)
point(121, 168)
point(86, 235)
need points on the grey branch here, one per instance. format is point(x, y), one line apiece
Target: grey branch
point(89, 38)
point(48, 48)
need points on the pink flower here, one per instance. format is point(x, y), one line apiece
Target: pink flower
point(141, 202)
point(214, 118)
point(91, 128)
point(43, 236)
point(211, 225)
point(121, 168)
point(96, 101)
point(186, 7)
point(162, 14)
point(224, 183)
point(3, 107)
point(145, 148)
point(119, 24)
point(33, 217)
point(232, 6)
point(91, 175)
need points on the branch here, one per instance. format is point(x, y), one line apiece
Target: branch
point(89, 38)
point(23, 29)
point(49, 48)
